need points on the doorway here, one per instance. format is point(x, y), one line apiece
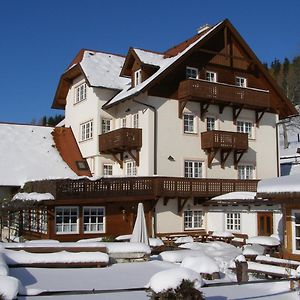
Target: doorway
point(265, 223)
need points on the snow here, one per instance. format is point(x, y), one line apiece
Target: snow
point(103, 70)
point(284, 184)
point(3, 265)
point(223, 234)
point(164, 65)
point(272, 269)
point(22, 257)
point(33, 196)
point(125, 247)
point(9, 287)
point(148, 57)
point(201, 264)
point(42, 242)
point(171, 279)
point(276, 260)
point(125, 237)
point(30, 154)
point(235, 196)
point(184, 239)
point(155, 242)
point(264, 240)
point(240, 258)
point(254, 249)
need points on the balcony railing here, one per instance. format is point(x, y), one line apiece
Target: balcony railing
point(216, 139)
point(215, 92)
point(138, 188)
point(120, 140)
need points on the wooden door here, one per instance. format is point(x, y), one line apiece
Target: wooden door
point(264, 223)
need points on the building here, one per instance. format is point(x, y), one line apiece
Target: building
point(170, 129)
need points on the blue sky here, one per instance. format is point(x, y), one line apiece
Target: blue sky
point(38, 39)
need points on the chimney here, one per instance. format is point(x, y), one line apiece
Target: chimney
point(203, 28)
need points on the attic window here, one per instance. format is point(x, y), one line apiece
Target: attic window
point(80, 93)
point(137, 77)
point(82, 165)
point(191, 73)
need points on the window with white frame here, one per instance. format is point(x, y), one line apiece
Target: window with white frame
point(43, 221)
point(191, 73)
point(93, 219)
point(86, 131)
point(189, 125)
point(211, 76)
point(210, 123)
point(130, 168)
point(192, 169)
point(123, 122)
point(107, 169)
point(137, 77)
point(233, 221)
point(193, 219)
point(241, 81)
point(136, 120)
point(245, 127)
point(296, 230)
point(80, 93)
point(66, 219)
point(245, 172)
point(106, 125)
point(33, 220)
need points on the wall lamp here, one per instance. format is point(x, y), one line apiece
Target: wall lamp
point(127, 110)
point(171, 158)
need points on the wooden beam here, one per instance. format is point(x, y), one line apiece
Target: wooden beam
point(136, 157)
point(119, 160)
point(235, 113)
point(225, 41)
point(203, 109)
point(181, 203)
point(224, 157)
point(181, 106)
point(237, 155)
point(210, 156)
point(224, 55)
point(258, 116)
point(221, 108)
point(166, 200)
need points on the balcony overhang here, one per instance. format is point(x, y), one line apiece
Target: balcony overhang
point(222, 94)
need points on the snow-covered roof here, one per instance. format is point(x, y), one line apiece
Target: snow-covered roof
point(284, 184)
point(148, 57)
point(103, 69)
point(27, 153)
point(235, 196)
point(164, 65)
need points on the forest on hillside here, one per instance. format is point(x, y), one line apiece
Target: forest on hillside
point(287, 75)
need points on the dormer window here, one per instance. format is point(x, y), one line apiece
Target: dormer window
point(211, 76)
point(80, 93)
point(137, 77)
point(241, 81)
point(191, 73)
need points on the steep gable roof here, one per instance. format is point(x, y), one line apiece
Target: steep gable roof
point(29, 152)
point(100, 70)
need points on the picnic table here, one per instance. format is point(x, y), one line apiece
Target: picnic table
point(170, 237)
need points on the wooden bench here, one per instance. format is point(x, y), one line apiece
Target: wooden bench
point(169, 237)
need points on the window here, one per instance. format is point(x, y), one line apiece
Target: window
point(193, 219)
point(137, 77)
point(26, 219)
point(106, 125)
point(123, 122)
point(43, 221)
point(193, 169)
point(86, 131)
point(241, 81)
point(107, 169)
point(191, 73)
point(210, 123)
point(131, 169)
point(33, 220)
point(245, 172)
point(93, 219)
point(189, 123)
point(136, 120)
point(80, 93)
point(244, 127)
point(211, 76)
point(82, 165)
point(233, 221)
point(66, 219)
point(296, 230)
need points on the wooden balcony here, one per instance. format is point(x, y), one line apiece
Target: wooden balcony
point(222, 94)
point(217, 139)
point(138, 188)
point(120, 140)
point(226, 142)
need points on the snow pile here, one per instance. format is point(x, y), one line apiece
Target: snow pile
point(254, 249)
point(9, 287)
point(272, 269)
point(223, 234)
point(92, 240)
point(172, 279)
point(125, 237)
point(24, 258)
point(127, 247)
point(33, 196)
point(240, 258)
point(184, 239)
point(52, 244)
point(178, 256)
point(264, 240)
point(42, 242)
point(201, 264)
point(263, 258)
point(155, 242)
point(3, 265)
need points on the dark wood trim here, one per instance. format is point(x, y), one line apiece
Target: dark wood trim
point(180, 204)
point(203, 109)
point(235, 113)
point(237, 155)
point(258, 116)
point(181, 106)
point(119, 160)
point(211, 154)
point(224, 157)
